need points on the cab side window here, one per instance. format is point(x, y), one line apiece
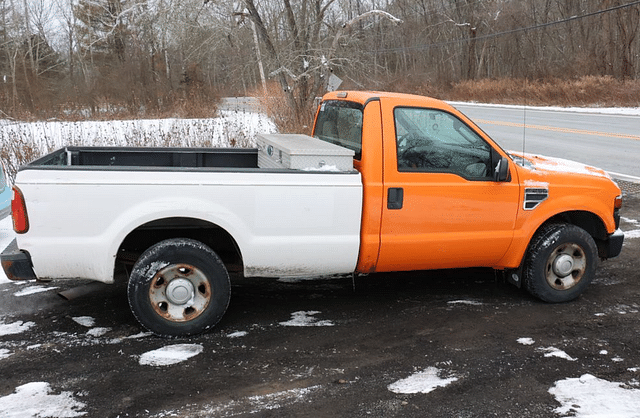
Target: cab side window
point(340, 123)
point(431, 140)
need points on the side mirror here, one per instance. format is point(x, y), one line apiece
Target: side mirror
point(501, 170)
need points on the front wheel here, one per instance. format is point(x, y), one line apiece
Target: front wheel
point(178, 287)
point(561, 263)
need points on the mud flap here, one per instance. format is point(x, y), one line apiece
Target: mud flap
point(514, 276)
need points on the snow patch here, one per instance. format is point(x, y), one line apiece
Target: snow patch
point(237, 334)
point(305, 319)
point(98, 331)
point(526, 341)
point(251, 405)
point(4, 353)
point(634, 233)
point(555, 352)
point(139, 335)
point(330, 168)
point(85, 321)
point(537, 184)
point(588, 396)
point(170, 354)
point(31, 290)
point(465, 302)
point(421, 382)
point(15, 327)
point(561, 165)
point(34, 400)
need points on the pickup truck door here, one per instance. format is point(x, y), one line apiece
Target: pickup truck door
point(442, 209)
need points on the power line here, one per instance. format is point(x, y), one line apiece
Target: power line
point(509, 32)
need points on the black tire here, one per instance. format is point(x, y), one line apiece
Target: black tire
point(178, 287)
point(561, 263)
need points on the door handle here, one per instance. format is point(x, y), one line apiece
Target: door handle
point(395, 197)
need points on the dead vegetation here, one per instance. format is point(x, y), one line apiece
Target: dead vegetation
point(589, 91)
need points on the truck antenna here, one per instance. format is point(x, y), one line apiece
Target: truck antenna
point(524, 118)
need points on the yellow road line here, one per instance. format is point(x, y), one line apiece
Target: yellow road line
point(556, 129)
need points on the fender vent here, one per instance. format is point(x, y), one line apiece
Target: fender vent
point(533, 197)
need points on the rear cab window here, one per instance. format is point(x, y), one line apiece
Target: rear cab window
point(340, 123)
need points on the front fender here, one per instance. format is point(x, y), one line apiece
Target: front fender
point(563, 203)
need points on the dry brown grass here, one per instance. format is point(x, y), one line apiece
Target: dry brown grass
point(274, 103)
point(584, 91)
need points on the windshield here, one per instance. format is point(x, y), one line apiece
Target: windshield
point(340, 123)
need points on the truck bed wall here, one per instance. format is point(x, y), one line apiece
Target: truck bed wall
point(151, 157)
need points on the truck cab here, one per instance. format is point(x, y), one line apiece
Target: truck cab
point(440, 193)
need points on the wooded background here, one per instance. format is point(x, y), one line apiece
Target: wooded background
point(80, 57)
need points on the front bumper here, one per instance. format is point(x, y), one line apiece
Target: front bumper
point(612, 246)
point(17, 264)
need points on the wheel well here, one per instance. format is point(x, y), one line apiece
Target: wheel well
point(585, 220)
point(215, 237)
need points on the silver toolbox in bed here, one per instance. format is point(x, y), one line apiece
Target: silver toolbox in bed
point(302, 152)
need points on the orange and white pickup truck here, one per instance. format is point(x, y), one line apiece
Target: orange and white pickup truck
point(388, 182)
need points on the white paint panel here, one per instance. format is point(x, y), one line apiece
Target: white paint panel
point(284, 223)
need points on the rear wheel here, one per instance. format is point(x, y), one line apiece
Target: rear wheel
point(561, 263)
point(179, 287)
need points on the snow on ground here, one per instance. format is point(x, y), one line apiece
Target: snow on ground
point(31, 290)
point(465, 302)
point(237, 334)
point(214, 132)
point(424, 381)
point(555, 352)
point(98, 331)
point(633, 233)
point(34, 400)
point(85, 321)
point(170, 354)
point(15, 327)
point(588, 396)
point(306, 319)
point(526, 341)
point(250, 405)
point(4, 353)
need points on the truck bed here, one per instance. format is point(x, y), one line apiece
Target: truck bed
point(282, 221)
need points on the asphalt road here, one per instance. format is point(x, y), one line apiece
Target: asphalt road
point(607, 141)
